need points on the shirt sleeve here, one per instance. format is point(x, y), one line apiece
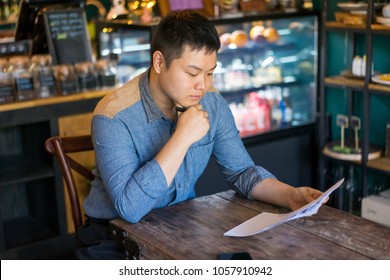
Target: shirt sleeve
point(133, 188)
point(236, 164)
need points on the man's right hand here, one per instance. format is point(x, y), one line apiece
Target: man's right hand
point(193, 124)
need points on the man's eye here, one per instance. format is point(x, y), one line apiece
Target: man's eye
point(192, 74)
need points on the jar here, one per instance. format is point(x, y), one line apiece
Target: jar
point(66, 79)
point(6, 92)
point(87, 76)
point(22, 79)
point(107, 71)
point(43, 76)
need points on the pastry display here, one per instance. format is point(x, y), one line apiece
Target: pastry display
point(271, 35)
point(257, 33)
point(239, 38)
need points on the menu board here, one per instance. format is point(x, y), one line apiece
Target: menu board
point(67, 36)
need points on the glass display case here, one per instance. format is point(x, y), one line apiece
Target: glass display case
point(267, 65)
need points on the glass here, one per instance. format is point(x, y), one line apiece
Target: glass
point(66, 79)
point(22, 78)
point(43, 76)
point(107, 72)
point(6, 92)
point(87, 76)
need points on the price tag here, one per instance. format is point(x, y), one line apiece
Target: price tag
point(342, 120)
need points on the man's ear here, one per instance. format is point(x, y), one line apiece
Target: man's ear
point(158, 61)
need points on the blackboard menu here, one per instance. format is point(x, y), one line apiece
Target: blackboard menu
point(67, 36)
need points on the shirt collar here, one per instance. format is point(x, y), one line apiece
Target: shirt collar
point(151, 108)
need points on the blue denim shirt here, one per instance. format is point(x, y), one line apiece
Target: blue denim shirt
point(128, 130)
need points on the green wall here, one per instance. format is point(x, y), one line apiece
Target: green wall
point(339, 60)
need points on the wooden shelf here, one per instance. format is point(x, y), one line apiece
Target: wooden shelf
point(379, 88)
point(381, 164)
point(335, 25)
point(54, 100)
point(25, 230)
point(338, 26)
point(22, 168)
point(343, 82)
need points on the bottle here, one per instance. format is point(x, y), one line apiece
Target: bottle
point(22, 79)
point(356, 66)
point(87, 76)
point(363, 66)
point(106, 73)
point(43, 76)
point(6, 92)
point(219, 76)
point(66, 79)
point(276, 110)
point(287, 112)
point(4, 10)
point(14, 10)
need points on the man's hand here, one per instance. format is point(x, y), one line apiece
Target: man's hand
point(302, 196)
point(193, 124)
point(276, 192)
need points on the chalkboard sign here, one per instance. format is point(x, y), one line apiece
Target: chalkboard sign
point(67, 36)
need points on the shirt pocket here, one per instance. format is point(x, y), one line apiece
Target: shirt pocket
point(199, 156)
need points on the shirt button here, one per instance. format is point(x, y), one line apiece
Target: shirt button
point(179, 185)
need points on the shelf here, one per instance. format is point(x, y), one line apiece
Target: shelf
point(373, 153)
point(381, 164)
point(25, 230)
point(54, 100)
point(358, 28)
point(288, 81)
point(338, 26)
point(22, 168)
point(379, 88)
point(342, 82)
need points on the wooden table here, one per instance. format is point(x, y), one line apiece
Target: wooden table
point(194, 230)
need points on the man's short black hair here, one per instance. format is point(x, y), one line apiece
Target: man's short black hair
point(185, 28)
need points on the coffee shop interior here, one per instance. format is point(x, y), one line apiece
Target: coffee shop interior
point(307, 81)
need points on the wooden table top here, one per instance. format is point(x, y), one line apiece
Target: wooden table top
point(194, 230)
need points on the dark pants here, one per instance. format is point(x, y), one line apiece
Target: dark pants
point(94, 242)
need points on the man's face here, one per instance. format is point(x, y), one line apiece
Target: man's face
point(188, 78)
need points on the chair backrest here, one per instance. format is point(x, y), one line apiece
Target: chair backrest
point(61, 147)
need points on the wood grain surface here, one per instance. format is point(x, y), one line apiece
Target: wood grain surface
point(194, 230)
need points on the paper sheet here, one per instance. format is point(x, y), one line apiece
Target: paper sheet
point(265, 221)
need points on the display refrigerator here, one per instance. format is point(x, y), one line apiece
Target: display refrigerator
point(267, 72)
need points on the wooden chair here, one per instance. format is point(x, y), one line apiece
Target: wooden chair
point(61, 147)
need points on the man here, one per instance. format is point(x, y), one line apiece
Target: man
point(153, 137)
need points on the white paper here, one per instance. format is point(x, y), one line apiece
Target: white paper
point(265, 221)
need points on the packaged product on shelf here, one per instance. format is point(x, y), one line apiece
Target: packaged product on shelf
point(237, 75)
point(285, 106)
point(219, 77)
point(357, 66)
point(22, 79)
point(87, 76)
point(66, 79)
point(107, 73)
point(6, 92)
point(268, 70)
point(43, 76)
point(253, 115)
